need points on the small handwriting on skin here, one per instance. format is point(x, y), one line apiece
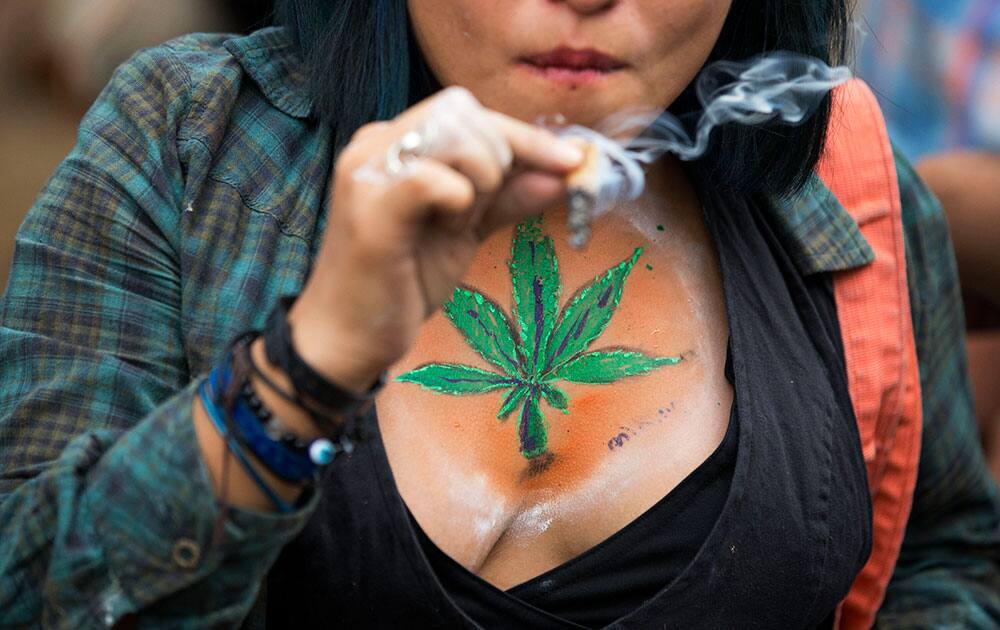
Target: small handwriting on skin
point(626, 433)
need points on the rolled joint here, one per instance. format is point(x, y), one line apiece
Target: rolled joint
point(582, 189)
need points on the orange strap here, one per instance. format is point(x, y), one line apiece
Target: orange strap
point(873, 305)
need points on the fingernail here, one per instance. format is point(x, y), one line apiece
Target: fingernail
point(568, 152)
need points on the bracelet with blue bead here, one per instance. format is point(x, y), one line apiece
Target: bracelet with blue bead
point(295, 465)
point(210, 401)
point(321, 451)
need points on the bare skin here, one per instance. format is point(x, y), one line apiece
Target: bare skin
point(393, 254)
point(621, 447)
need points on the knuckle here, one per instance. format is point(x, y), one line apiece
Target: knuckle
point(374, 127)
point(368, 131)
point(466, 194)
point(460, 96)
point(492, 179)
point(418, 185)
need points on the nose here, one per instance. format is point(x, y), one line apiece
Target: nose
point(589, 6)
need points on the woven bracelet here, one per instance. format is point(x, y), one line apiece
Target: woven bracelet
point(343, 407)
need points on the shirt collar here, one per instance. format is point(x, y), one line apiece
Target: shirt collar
point(818, 231)
point(272, 60)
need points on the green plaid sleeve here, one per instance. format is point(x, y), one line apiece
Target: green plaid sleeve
point(105, 505)
point(948, 575)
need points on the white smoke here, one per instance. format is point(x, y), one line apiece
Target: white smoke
point(782, 85)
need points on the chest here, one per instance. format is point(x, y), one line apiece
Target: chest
point(795, 526)
point(615, 393)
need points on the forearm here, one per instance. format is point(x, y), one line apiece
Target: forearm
point(126, 522)
point(231, 481)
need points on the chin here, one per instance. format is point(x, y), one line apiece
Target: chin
point(557, 108)
point(534, 101)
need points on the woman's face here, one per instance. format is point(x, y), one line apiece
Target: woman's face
point(582, 59)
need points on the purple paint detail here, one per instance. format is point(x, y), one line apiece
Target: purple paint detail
point(578, 330)
point(562, 346)
point(473, 314)
point(536, 285)
point(523, 433)
point(478, 380)
point(618, 441)
point(509, 397)
point(496, 346)
point(604, 298)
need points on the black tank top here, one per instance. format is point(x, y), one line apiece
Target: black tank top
point(613, 578)
point(779, 550)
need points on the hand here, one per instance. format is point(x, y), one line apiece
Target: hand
point(397, 243)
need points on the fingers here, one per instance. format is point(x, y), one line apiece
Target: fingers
point(525, 194)
point(462, 167)
point(473, 152)
point(537, 148)
point(507, 139)
point(437, 186)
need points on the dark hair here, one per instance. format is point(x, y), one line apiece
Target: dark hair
point(364, 65)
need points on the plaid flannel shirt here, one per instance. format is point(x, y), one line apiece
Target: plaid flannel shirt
point(191, 202)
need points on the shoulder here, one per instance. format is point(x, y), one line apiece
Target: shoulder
point(161, 80)
point(189, 85)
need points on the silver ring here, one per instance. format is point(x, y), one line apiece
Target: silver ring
point(409, 146)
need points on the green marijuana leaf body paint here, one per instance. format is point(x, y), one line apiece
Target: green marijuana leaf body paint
point(535, 275)
point(485, 328)
point(547, 346)
point(607, 367)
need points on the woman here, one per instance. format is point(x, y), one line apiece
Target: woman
point(700, 467)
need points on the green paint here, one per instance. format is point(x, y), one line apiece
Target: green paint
point(534, 273)
point(456, 379)
point(556, 397)
point(649, 266)
point(659, 228)
point(511, 402)
point(548, 346)
point(485, 327)
point(607, 367)
point(531, 429)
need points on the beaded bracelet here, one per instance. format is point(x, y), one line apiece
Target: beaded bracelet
point(294, 466)
point(208, 398)
point(288, 465)
point(311, 387)
point(321, 451)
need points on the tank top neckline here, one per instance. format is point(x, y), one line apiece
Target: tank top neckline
point(415, 540)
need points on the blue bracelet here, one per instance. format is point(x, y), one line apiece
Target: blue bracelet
point(283, 462)
point(207, 393)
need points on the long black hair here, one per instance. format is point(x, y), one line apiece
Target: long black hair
point(364, 65)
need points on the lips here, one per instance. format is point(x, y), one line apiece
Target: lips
point(573, 59)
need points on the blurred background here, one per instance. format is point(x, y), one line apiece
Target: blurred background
point(935, 65)
point(56, 55)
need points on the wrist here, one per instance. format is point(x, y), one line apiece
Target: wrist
point(340, 357)
point(292, 416)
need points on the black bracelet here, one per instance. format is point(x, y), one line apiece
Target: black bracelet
point(311, 388)
point(315, 450)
